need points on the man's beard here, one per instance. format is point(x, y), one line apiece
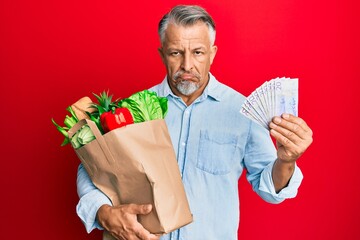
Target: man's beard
point(186, 87)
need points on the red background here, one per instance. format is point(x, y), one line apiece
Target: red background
point(54, 52)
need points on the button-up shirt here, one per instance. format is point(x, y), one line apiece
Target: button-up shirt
point(213, 143)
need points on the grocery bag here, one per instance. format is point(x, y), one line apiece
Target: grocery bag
point(137, 164)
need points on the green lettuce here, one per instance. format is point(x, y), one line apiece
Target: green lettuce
point(145, 106)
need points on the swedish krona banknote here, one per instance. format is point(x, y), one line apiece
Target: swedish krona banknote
point(272, 98)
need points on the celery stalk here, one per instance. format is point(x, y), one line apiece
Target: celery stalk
point(85, 135)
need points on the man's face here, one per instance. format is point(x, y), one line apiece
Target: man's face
point(187, 54)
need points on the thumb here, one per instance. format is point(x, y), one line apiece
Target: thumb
point(140, 209)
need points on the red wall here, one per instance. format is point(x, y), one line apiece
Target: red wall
point(54, 52)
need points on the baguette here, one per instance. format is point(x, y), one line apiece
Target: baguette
point(82, 106)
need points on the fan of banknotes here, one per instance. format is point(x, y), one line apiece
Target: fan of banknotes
point(273, 98)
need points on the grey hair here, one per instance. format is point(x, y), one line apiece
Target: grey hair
point(187, 15)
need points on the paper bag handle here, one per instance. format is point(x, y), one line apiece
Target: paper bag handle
point(95, 130)
point(81, 123)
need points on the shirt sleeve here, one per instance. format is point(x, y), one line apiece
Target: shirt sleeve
point(267, 189)
point(91, 199)
point(260, 155)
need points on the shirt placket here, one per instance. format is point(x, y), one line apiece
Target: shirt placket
point(183, 139)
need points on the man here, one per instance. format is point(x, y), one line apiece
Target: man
point(212, 140)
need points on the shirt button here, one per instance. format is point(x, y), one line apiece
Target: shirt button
point(183, 144)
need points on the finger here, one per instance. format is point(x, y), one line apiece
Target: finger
point(297, 135)
point(290, 150)
point(143, 234)
point(155, 237)
point(291, 129)
point(139, 209)
point(292, 136)
point(296, 120)
point(282, 140)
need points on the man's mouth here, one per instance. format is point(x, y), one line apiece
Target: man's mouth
point(187, 77)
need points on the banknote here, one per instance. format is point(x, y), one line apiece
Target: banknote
point(286, 101)
point(272, 98)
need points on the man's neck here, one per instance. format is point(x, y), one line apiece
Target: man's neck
point(188, 100)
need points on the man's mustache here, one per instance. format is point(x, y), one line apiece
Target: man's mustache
point(179, 73)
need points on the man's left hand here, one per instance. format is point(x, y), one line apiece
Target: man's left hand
point(293, 136)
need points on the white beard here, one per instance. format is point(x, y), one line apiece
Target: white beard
point(187, 87)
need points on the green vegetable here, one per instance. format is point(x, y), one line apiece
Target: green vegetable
point(145, 106)
point(74, 140)
point(69, 122)
point(85, 135)
point(63, 131)
point(105, 104)
point(73, 115)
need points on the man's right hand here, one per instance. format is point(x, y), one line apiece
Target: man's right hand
point(121, 221)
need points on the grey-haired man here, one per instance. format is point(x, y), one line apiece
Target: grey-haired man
point(213, 142)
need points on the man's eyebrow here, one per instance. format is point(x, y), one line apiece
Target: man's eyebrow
point(180, 49)
point(199, 48)
point(170, 49)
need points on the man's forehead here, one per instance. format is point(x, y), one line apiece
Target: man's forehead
point(199, 25)
point(197, 33)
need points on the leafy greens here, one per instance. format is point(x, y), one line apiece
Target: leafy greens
point(145, 106)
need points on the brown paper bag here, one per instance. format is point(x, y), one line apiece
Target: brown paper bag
point(137, 164)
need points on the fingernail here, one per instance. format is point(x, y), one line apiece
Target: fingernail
point(272, 125)
point(286, 116)
point(277, 120)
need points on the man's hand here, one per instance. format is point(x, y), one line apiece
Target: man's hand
point(121, 221)
point(293, 137)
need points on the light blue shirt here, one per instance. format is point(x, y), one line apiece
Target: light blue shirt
point(213, 143)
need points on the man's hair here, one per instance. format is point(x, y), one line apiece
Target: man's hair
point(187, 15)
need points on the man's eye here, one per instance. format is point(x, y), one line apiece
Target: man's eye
point(198, 53)
point(174, 53)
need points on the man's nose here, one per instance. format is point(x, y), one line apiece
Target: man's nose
point(187, 63)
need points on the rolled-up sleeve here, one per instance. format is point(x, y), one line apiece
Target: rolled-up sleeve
point(259, 159)
point(91, 199)
point(267, 189)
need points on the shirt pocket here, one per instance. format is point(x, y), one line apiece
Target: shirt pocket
point(217, 152)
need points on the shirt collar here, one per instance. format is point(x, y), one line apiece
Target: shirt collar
point(212, 89)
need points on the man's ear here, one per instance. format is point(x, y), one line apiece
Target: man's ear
point(160, 50)
point(213, 51)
